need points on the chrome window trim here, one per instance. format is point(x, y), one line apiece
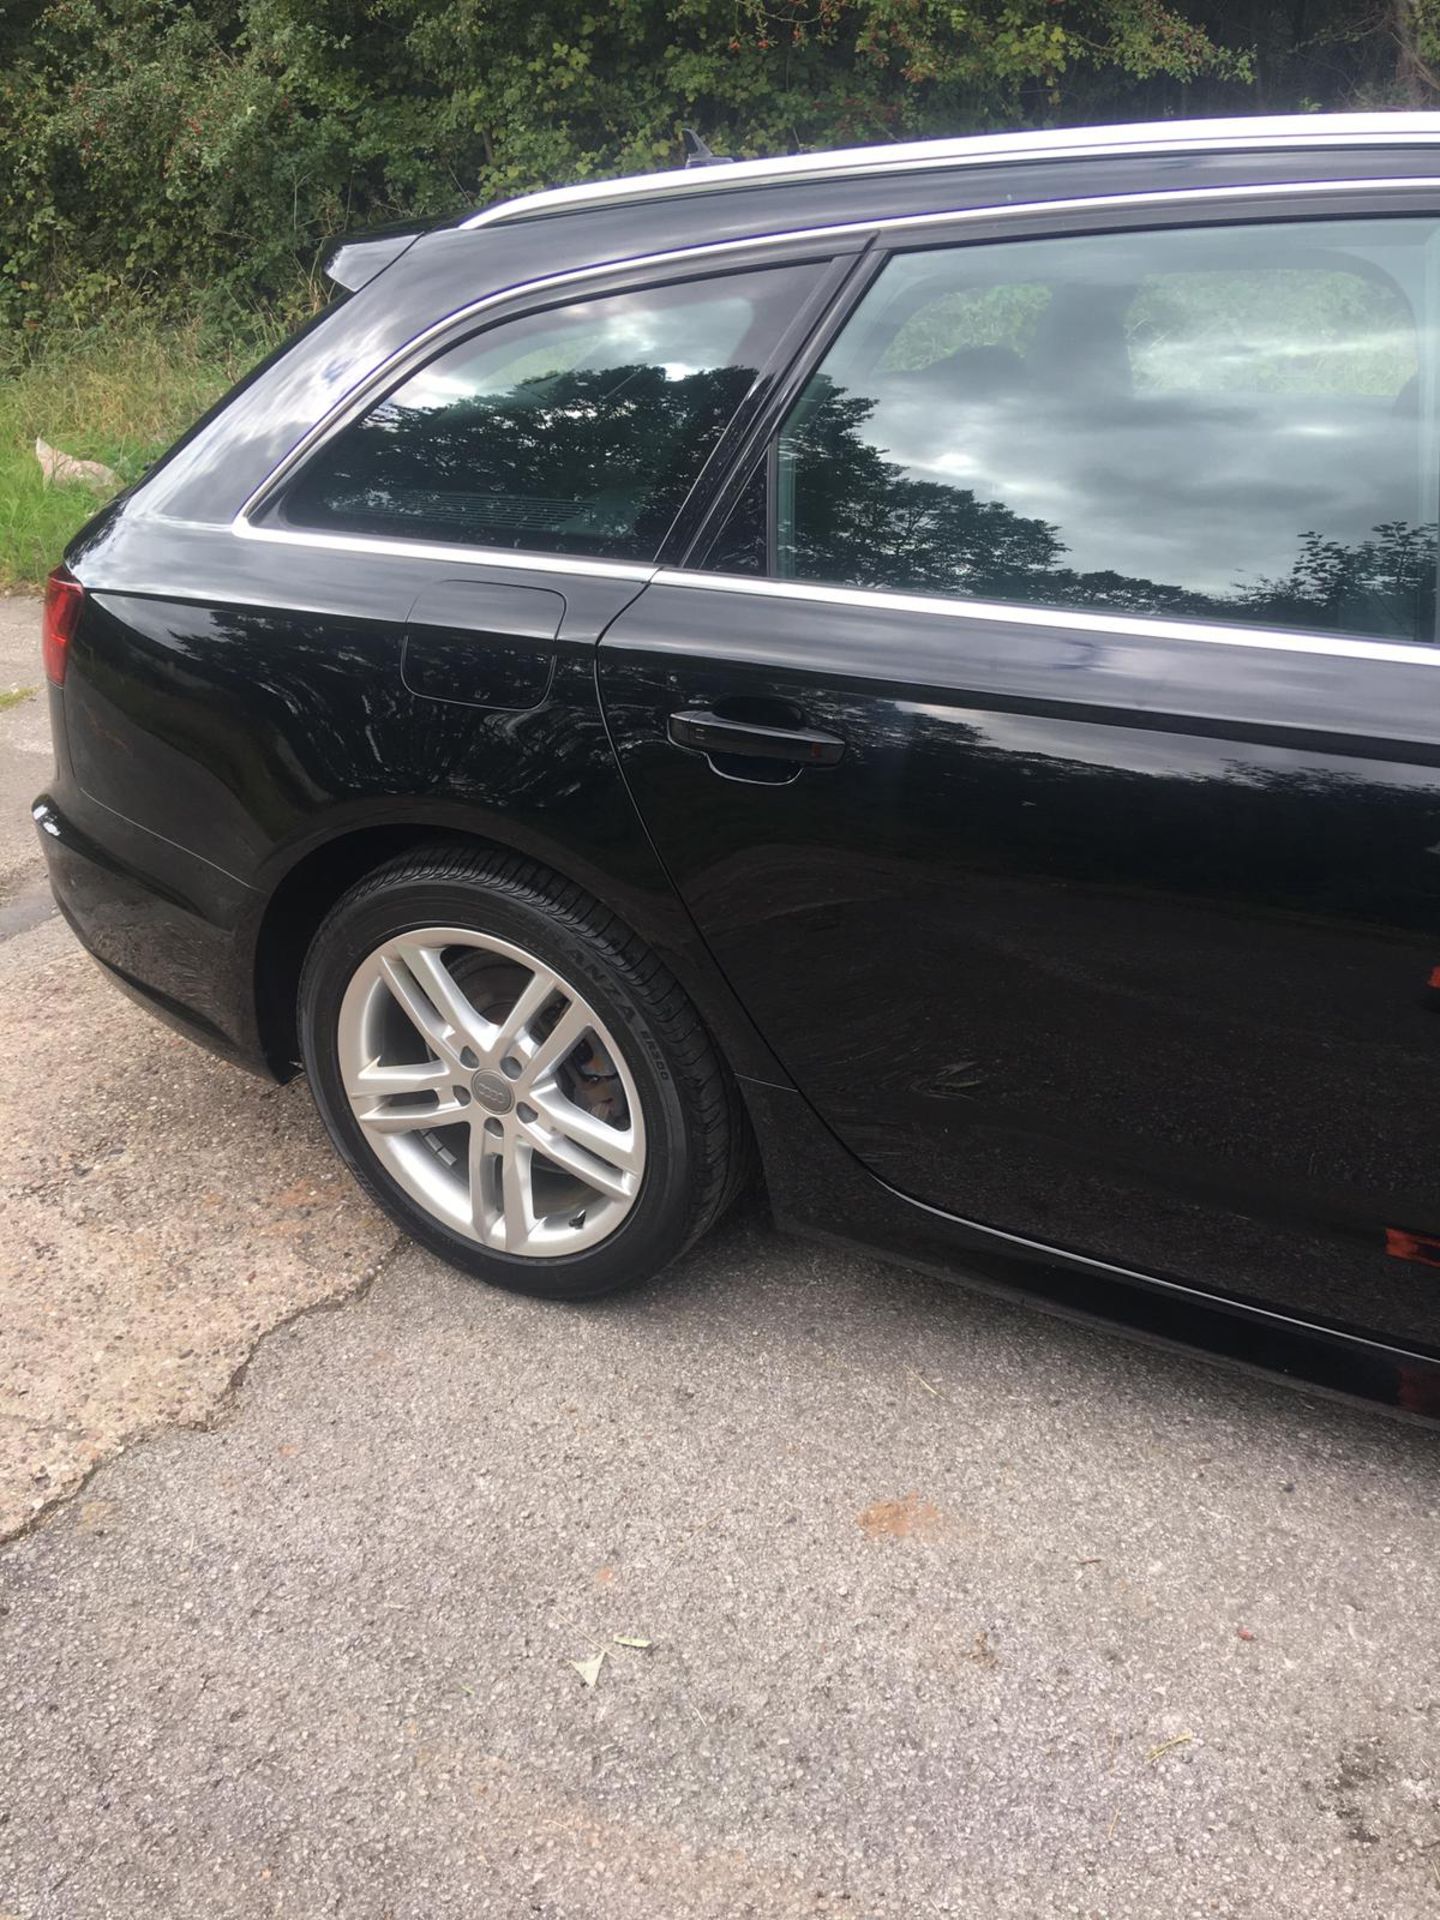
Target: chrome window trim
point(1264, 133)
point(990, 612)
point(412, 351)
point(451, 556)
point(1102, 625)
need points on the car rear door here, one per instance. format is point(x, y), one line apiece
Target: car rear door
point(1048, 743)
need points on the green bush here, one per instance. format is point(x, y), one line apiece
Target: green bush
point(170, 168)
point(199, 151)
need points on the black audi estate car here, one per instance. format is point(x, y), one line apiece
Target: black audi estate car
point(908, 675)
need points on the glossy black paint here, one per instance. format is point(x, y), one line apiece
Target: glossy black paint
point(1116, 943)
point(482, 643)
point(249, 742)
point(1096, 964)
point(813, 1190)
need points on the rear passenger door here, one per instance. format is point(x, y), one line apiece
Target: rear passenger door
point(1048, 745)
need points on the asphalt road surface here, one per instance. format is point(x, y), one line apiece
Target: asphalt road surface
point(948, 1608)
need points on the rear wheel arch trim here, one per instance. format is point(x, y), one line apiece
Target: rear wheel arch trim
point(320, 870)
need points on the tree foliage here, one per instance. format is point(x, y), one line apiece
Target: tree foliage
point(201, 150)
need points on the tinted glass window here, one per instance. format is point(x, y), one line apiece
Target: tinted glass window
point(739, 545)
point(1233, 424)
point(578, 430)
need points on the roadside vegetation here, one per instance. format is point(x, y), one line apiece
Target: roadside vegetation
point(119, 393)
point(174, 167)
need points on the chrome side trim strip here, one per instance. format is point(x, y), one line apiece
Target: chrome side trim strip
point(451, 556)
point(350, 404)
point(1300, 132)
point(1102, 625)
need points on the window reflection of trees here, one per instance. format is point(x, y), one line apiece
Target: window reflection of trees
point(587, 460)
point(861, 520)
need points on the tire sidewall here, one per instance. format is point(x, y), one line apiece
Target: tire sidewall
point(656, 1226)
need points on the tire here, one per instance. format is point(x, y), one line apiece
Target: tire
point(610, 1158)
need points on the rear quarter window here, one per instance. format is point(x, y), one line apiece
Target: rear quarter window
point(576, 430)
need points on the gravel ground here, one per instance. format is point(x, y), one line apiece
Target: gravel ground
point(951, 1608)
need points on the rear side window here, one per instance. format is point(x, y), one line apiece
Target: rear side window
point(577, 430)
point(1231, 424)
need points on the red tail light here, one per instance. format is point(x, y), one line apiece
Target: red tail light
point(64, 597)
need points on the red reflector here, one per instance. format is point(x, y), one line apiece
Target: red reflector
point(1412, 1246)
point(1434, 979)
point(64, 597)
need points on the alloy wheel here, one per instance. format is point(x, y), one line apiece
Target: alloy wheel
point(492, 1091)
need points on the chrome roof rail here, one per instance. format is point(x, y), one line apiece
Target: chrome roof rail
point(1298, 131)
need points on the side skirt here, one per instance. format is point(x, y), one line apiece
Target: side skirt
point(817, 1188)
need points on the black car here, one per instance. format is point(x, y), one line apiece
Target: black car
point(909, 674)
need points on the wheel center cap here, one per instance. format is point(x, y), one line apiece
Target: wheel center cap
point(492, 1091)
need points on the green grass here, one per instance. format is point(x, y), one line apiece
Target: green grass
point(13, 696)
point(121, 394)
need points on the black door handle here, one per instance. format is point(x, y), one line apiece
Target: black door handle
point(713, 733)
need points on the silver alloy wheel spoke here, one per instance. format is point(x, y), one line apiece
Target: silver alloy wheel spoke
point(616, 1146)
point(386, 1119)
point(569, 1030)
point(486, 1175)
point(425, 1076)
point(459, 1024)
point(511, 1032)
point(488, 1130)
point(568, 1153)
point(419, 1009)
point(517, 1173)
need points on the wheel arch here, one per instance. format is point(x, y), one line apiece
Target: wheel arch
point(306, 890)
